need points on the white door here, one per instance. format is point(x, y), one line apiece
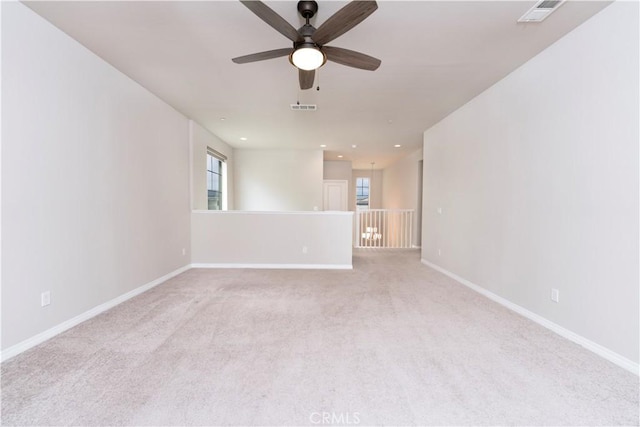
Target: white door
point(335, 194)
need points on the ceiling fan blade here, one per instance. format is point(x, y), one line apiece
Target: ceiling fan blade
point(261, 56)
point(351, 58)
point(306, 78)
point(276, 21)
point(344, 20)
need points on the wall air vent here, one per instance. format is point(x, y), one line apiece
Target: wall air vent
point(541, 10)
point(304, 107)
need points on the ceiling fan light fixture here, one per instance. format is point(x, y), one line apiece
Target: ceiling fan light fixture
point(307, 57)
point(310, 50)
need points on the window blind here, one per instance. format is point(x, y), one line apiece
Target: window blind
point(218, 155)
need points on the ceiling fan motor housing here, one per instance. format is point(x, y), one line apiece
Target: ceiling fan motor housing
point(307, 9)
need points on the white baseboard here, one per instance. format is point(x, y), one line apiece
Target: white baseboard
point(68, 324)
point(604, 352)
point(278, 266)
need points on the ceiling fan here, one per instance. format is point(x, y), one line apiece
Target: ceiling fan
point(309, 50)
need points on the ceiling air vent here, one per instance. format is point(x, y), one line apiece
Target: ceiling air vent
point(304, 107)
point(541, 10)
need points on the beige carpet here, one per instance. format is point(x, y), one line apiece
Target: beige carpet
point(392, 342)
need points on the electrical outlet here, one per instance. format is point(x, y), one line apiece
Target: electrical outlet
point(555, 295)
point(45, 298)
point(184, 251)
point(439, 211)
point(305, 249)
point(439, 251)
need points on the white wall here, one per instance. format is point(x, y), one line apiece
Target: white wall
point(200, 139)
point(95, 179)
point(337, 169)
point(401, 186)
point(538, 182)
point(272, 239)
point(341, 170)
point(278, 180)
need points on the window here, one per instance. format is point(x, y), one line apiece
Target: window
point(216, 169)
point(362, 193)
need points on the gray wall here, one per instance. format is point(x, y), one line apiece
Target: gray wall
point(537, 179)
point(278, 180)
point(95, 179)
point(272, 239)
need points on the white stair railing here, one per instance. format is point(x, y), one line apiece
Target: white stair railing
point(383, 228)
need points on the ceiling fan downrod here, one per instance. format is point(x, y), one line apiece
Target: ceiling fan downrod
point(307, 8)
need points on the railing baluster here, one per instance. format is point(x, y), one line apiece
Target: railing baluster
point(400, 231)
point(396, 230)
point(356, 238)
point(384, 228)
point(369, 229)
point(411, 229)
point(394, 238)
point(407, 230)
point(375, 228)
point(378, 214)
point(404, 230)
point(392, 225)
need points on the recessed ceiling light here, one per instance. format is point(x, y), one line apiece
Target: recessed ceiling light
point(222, 119)
point(340, 156)
point(397, 145)
point(323, 145)
point(242, 138)
point(354, 146)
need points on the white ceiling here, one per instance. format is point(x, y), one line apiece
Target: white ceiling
point(436, 56)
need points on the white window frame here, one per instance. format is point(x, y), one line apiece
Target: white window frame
point(223, 177)
point(368, 205)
